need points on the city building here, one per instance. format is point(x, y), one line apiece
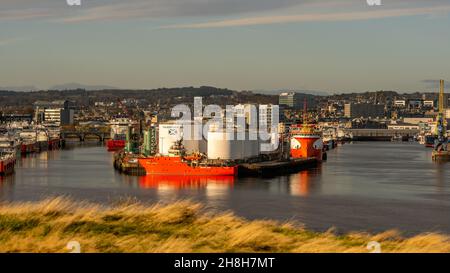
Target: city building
point(247, 111)
point(447, 113)
point(403, 126)
point(6, 118)
point(428, 103)
point(400, 103)
point(295, 100)
point(60, 112)
point(265, 115)
point(364, 110)
point(415, 104)
point(418, 120)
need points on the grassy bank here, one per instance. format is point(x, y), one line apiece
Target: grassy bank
point(49, 225)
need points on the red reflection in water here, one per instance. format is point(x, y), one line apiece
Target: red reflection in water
point(300, 184)
point(183, 182)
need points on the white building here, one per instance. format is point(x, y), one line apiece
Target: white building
point(416, 121)
point(57, 112)
point(428, 103)
point(447, 113)
point(400, 103)
point(403, 126)
point(266, 116)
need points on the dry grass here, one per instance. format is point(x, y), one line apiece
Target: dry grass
point(49, 225)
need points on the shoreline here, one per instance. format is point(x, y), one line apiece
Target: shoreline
point(48, 226)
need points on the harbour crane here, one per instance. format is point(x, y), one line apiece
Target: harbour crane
point(441, 150)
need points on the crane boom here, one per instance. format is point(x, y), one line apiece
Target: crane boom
point(441, 97)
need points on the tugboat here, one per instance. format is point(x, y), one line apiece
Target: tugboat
point(306, 140)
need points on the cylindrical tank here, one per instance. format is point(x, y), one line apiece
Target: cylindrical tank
point(220, 146)
point(193, 140)
point(226, 145)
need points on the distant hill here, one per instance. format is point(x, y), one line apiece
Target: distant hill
point(74, 86)
point(277, 92)
point(18, 88)
point(162, 96)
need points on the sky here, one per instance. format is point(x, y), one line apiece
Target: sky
point(330, 45)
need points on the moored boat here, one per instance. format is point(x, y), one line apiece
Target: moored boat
point(306, 142)
point(7, 163)
point(9, 144)
point(28, 138)
point(42, 140)
point(119, 129)
point(177, 163)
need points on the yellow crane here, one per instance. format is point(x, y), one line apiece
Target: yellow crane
point(441, 98)
point(441, 151)
point(441, 114)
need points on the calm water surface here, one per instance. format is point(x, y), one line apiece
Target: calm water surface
point(366, 186)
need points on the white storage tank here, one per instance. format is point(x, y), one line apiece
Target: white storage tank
point(227, 146)
point(272, 144)
point(193, 141)
point(220, 146)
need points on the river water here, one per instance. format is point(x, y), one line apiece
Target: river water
point(364, 186)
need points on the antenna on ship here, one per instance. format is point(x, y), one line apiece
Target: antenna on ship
point(305, 111)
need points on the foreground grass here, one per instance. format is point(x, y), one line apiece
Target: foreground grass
point(49, 225)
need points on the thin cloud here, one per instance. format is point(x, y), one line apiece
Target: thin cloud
point(24, 14)
point(10, 41)
point(178, 8)
point(316, 17)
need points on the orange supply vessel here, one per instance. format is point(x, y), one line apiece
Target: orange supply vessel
point(306, 142)
point(176, 163)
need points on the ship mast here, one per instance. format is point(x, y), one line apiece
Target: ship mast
point(305, 112)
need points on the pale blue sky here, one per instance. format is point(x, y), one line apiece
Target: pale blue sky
point(330, 45)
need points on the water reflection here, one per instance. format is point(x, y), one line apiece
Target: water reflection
point(6, 186)
point(214, 188)
point(362, 185)
point(302, 183)
point(182, 182)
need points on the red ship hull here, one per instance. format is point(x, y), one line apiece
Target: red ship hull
point(176, 166)
point(114, 145)
point(7, 166)
point(29, 148)
point(307, 147)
